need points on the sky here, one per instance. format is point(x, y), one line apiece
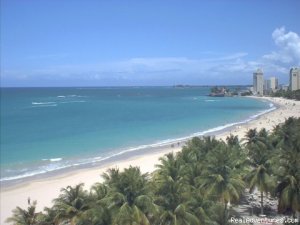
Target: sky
point(142, 42)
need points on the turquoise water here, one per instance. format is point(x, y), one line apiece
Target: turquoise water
point(47, 129)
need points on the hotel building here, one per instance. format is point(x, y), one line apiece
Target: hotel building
point(258, 82)
point(294, 79)
point(270, 85)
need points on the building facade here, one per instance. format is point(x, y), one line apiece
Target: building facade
point(258, 82)
point(273, 84)
point(295, 79)
point(267, 85)
point(270, 85)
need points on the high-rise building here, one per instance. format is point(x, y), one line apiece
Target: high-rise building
point(258, 82)
point(267, 85)
point(273, 83)
point(294, 79)
point(270, 85)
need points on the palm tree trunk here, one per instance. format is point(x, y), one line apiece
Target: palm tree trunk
point(225, 213)
point(261, 203)
point(72, 221)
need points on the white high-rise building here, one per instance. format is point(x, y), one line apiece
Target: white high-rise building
point(258, 82)
point(273, 83)
point(295, 79)
point(270, 85)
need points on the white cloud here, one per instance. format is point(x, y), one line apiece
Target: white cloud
point(215, 67)
point(210, 66)
point(288, 44)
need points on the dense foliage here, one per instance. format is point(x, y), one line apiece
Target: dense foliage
point(287, 94)
point(198, 185)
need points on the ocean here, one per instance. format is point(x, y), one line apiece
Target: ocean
point(49, 129)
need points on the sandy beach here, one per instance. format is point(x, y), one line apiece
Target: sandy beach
point(45, 190)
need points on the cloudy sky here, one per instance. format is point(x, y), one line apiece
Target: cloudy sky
point(139, 42)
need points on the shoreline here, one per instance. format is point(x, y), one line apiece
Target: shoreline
point(125, 153)
point(45, 189)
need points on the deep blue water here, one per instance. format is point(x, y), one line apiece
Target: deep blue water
point(45, 129)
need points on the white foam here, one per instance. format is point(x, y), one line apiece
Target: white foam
point(72, 102)
point(55, 159)
point(39, 171)
point(42, 103)
point(210, 100)
point(53, 167)
point(38, 106)
point(70, 96)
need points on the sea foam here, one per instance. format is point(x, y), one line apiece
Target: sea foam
point(95, 105)
point(42, 103)
point(59, 163)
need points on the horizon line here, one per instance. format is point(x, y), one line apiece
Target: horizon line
point(113, 86)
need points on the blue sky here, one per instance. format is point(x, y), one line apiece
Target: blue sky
point(139, 42)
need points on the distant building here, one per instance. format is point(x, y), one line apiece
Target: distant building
point(270, 85)
point(273, 83)
point(267, 86)
point(294, 79)
point(258, 82)
point(284, 87)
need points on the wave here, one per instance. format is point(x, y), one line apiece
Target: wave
point(72, 102)
point(42, 103)
point(38, 106)
point(61, 96)
point(55, 159)
point(59, 163)
point(52, 160)
point(53, 104)
point(210, 100)
point(39, 171)
point(78, 96)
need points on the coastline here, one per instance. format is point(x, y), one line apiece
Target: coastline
point(57, 164)
point(46, 189)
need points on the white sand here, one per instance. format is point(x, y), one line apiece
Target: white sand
point(45, 190)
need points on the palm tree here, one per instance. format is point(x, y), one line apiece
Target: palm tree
point(287, 138)
point(172, 192)
point(232, 140)
point(261, 152)
point(180, 216)
point(220, 180)
point(259, 177)
point(24, 217)
point(288, 191)
point(98, 213)
point(49, 217)
point(200, 206)
point(286, 134)
point(197, 148)
point(251, 137)
point(216, 214)
point(71, 203)
point(170, 166)
point(258, 145)
point(129, 197)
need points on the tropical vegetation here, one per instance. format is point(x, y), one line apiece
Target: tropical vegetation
point(196, 186)
point(289, 94)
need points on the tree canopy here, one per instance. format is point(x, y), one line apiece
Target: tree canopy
point(195, 186)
